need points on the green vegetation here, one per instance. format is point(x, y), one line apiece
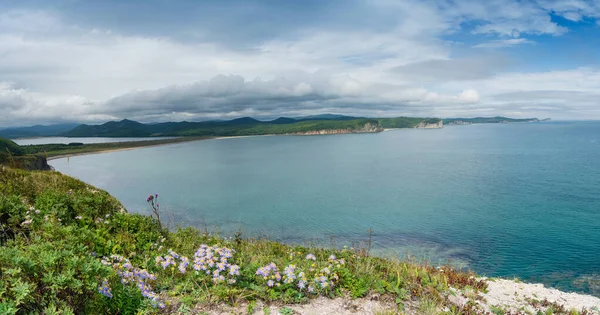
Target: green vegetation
point(245, 126)
point(53, 150)
point(486, 120)
point(406, 122)
point(68, 248)
point(9, 148)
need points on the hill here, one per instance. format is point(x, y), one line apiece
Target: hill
point(323, 124)
point(36, 131)
point(9, 147)
point(486, 120)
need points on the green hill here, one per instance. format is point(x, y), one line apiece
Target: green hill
point(486, 120)
point(245, 126)
point(9, 147)
point(9, 150)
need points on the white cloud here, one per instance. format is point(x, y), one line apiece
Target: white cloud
point(385, 57)
point(21, 106)
point(499, 43)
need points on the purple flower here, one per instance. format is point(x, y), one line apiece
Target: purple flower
point(104, 289)
point(270, 283)
point(301, 284)
point(311, 257)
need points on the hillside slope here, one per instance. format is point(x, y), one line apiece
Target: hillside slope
point(246, 126)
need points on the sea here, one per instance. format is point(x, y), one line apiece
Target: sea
point(503, 200)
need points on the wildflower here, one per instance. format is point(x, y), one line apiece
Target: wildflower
point(301, 284)
point(27, 222)
point(311, 289)
point(311, 257)
point(184, 263)
point(78, 217)
point(270, 283)
point(332, 257)
point(234, 270)
point(37, 211)
point(104, 289)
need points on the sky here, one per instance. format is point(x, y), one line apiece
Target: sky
point(173, 60)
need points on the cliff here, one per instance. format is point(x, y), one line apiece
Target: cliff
point(367, 128)
point(427, 125)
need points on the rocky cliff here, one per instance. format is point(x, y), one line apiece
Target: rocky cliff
point(367, 128)
point(425, 125)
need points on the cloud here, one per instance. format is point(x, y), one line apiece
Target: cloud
point(473, 68)
point(22, 107)
point(301, 92)
point(499, 43)
point(90, 61)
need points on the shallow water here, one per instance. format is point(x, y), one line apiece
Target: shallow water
point(504, 200)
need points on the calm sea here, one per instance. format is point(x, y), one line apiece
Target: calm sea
point(501, 199)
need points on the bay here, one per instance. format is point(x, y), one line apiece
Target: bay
point(500, 199)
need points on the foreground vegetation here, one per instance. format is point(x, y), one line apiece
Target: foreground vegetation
point(67, 248)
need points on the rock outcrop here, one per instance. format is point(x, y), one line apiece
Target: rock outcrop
point(367, 128)
point(425, 125)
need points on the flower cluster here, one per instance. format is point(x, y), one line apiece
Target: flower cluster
point(210, 260)
point(171, 260)
point(270, 273)
point(214, 260)
point(320, 278)
point(131, 275)
point(104, 289)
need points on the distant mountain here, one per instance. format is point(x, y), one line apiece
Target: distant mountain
point(125, 127)
point(322, 124)
point(283, 120)
point(486, 120)
point(326, 117)
point(36, 131)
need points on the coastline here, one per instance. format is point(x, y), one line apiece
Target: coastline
point(180, 140)
point(509, 295)
point(502, 294)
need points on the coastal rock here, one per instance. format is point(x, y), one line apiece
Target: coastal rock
point(514, 296)
point(367, 128)
point(425, 125)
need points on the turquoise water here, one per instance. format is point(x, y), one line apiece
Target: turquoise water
point(503, 200)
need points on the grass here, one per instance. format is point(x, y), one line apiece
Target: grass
point(69, 248)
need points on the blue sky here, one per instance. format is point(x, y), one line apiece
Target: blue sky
point(151, 60)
